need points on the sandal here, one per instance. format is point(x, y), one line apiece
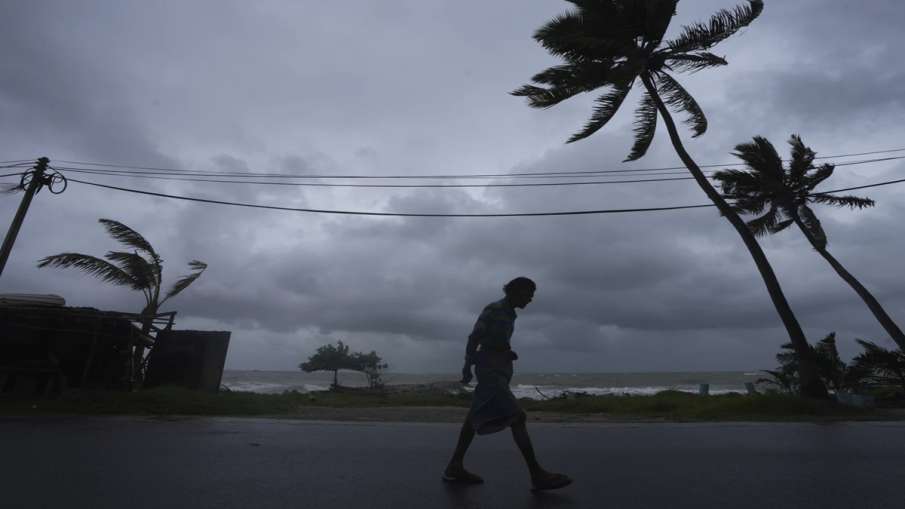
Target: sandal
point(461, 476)
point(550, 482)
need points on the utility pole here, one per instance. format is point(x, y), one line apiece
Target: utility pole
point(38, 179)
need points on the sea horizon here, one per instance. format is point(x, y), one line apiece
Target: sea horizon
point(535, 385)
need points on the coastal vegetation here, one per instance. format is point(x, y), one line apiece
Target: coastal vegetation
point(443, 406)
point(614, 44)
point(876, 370)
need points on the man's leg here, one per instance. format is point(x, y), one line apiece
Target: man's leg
point(455, 471)
point(466, 435)
point(523, 441)
point(540, 478)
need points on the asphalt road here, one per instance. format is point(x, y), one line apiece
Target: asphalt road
point(98, 462)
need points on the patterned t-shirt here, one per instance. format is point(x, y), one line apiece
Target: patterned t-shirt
point(494, 327)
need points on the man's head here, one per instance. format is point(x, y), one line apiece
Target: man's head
point(520, 291)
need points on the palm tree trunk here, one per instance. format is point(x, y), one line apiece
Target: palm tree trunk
point(891, 328)
point(810, 383)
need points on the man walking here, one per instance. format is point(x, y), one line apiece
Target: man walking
point(494, 407)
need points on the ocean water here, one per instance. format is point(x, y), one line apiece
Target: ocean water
point(524, 385)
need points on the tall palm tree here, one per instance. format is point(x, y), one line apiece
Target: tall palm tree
point(140, 269)
point(613, 44)
point(786, 193)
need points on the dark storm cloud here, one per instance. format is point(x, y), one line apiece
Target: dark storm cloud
point(422, 87)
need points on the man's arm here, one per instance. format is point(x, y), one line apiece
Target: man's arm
point(474, 339)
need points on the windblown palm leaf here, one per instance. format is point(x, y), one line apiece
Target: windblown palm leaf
point(128, 236)
point(141, 270)
point(703, 36)
point(185, 281)
point(613, 43)
point(788, 192)
point(106, 271)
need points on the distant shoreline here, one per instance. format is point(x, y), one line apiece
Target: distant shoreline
point(437, 403)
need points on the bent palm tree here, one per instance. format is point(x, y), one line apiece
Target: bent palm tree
point(613, 44)
point(140, 270)
point(787, 192)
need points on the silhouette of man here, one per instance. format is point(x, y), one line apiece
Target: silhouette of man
point(494, 407)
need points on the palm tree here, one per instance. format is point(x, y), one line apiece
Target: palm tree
point(613, 44)
point(786, 193)
point(140, 269)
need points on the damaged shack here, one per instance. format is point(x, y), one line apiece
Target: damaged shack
point(47, 348)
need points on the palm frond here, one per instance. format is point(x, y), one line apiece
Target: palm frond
point(813, 179)
point(607, 106)
point(595, 30)
point(540, 97)
point(764, 224)
point(752, 204)
point(129, 237)
point(142, 271)
point(656, 15)
point(782, 225)
point(701, 36)
point(566, 81)
point(761, 156)
point(842, 201)
point(102, 269)
point(645, 127)
point(185, 281)
point(802, 159)
point(745, 189)
point(810, 221)
point(681, 101)
point(693, 62)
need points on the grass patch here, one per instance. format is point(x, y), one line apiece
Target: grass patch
point(667, 405)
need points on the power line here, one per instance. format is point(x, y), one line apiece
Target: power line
point(393, 214)
point(446, 176)
point(12, 174)
point(100, 171)
point(878, 184)
point(317, 184)
point(387, 214)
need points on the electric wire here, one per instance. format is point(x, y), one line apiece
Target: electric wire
point(446, 176)
point(878, 184)
point(396, 214)
point(387, 214)
point(318, 184)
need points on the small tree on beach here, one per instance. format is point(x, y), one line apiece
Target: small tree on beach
point(329, 358)
point(336, 357)
point(612, 45)
point(372, 366)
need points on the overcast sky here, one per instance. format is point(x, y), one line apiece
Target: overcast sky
point(421, 87)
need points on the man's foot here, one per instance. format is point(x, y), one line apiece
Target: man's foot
point(549, 481)
point(458, 474)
